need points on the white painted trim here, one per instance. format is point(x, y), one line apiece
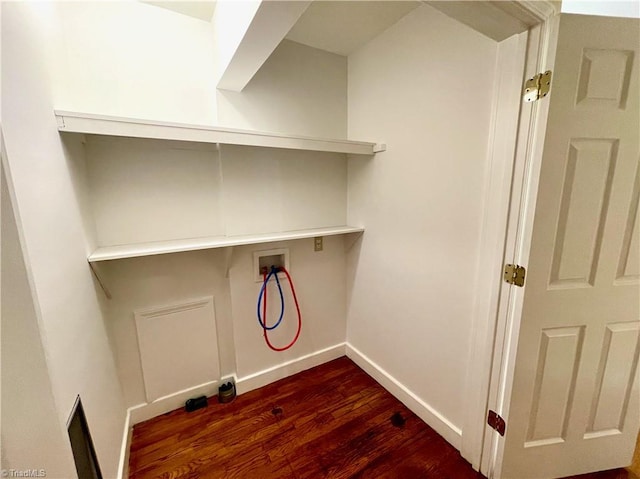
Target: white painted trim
point(487, 18)
point(2, 155)
point(286, 369)
point(444, 427)
point(106, 253)
point(127, 433)
point(541, 9)
point(165, 404)
point(497, 189)
point(519, 234)
point(91, 124)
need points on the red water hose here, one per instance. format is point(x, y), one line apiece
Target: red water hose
point(265, 332)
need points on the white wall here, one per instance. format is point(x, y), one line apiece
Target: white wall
point(270, 190)
point(74, 338)
point(424, 87)
point(160, 65)
point(70, 194)
point(319, 279)
point(134, 60)
point(32, 436)
point(149, 190)
point(299, 90)
point(148, 282)
point(165, 66)
point(250, 190)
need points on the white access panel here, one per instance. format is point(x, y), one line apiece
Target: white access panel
point(178, 347)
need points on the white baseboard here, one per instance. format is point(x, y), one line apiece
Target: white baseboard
point(281, 371)
point(433, 418)
point(123, 464)
point(165, 404)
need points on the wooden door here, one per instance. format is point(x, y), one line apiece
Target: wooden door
point(574, 404)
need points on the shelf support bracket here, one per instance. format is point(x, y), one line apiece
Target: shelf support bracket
point(96, 272)
point(350, 239)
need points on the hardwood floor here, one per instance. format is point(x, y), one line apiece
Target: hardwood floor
point(332, 421)
point(613, 474)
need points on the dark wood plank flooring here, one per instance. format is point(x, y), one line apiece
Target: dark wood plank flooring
point(612, 474)
point(332, 421)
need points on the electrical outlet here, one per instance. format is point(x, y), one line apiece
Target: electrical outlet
point(317, 243)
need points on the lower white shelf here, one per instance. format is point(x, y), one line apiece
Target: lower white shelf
point(107, 253)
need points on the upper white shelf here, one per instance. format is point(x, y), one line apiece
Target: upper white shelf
point(114, 126)
point(107, 253)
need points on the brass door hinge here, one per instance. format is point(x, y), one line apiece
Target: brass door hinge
point(496, 422)
point(537, 87)
point(514, 274)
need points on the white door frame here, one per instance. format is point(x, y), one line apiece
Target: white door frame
point(517, 246)
point(515, 156)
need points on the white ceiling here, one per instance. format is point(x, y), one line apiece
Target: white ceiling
point(343, 26)
point(202, 9)
point(337, 26)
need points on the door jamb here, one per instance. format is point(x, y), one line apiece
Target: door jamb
point(514, 167)
point(517, 248)
point(509, 78)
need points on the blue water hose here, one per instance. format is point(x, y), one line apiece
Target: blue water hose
point(274, 271)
